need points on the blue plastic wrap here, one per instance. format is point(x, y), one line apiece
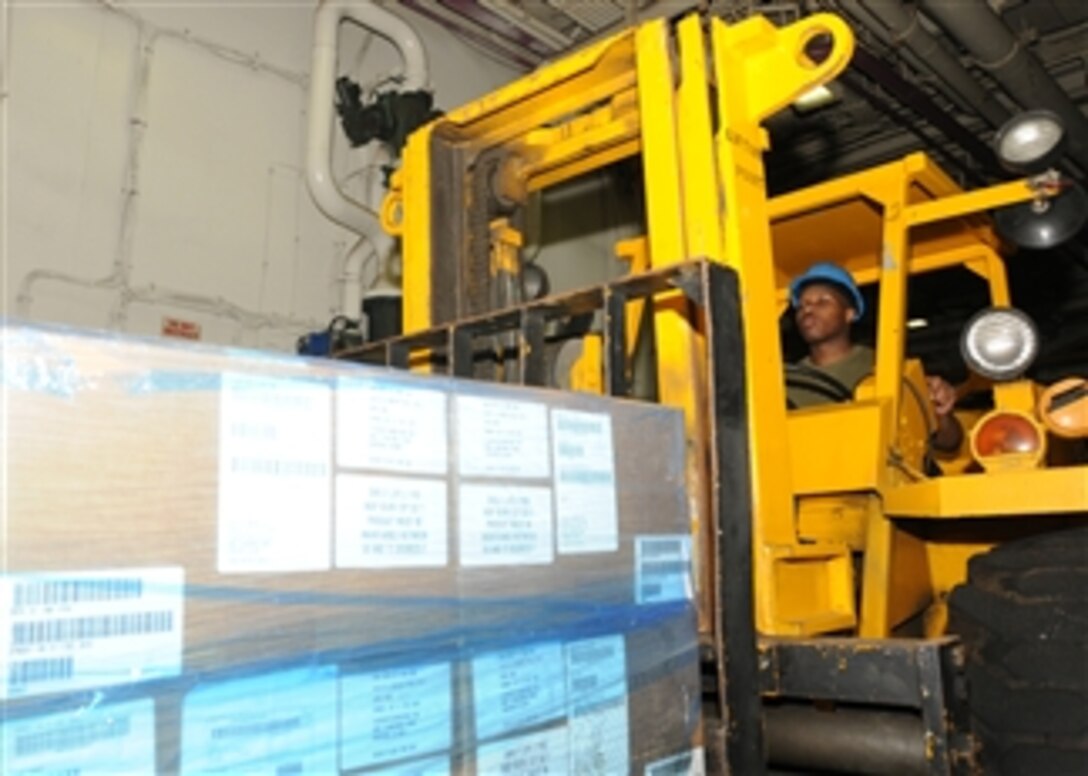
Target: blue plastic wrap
point(218, 561)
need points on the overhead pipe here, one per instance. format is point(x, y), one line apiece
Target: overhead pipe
point(996, 50)
point(905, 29)
point(919, 102)
point(330, 199)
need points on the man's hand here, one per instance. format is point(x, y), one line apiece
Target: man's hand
point(942, 395)
point(949, 434)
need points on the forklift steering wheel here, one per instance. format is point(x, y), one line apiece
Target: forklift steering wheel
point(800, 376)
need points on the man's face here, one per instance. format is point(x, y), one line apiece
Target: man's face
point(822, 313)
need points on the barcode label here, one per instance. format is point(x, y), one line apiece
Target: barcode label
point(655, 548)
point(73, 591)
point(276, 467)
point(684, 764)
point(272, 727)
point(284, 722)
point(83, 628)
point(110, 738)
point(71, 736)
point(662, 569)
point(46, 670)
point(76, 630)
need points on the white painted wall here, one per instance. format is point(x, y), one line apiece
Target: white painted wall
point(153, 155)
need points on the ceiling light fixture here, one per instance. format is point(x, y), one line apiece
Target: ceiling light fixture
point(816, 98)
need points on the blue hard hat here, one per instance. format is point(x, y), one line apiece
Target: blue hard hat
point(826, 272)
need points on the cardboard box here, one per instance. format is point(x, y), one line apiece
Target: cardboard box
point(288, 565)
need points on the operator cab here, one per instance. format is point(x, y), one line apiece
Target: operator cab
point(888, 231)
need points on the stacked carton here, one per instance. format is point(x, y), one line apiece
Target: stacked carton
point(224, 561)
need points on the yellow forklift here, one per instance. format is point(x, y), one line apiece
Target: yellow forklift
point(863, 605)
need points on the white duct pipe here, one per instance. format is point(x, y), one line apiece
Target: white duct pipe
point(351, 294)
point(334, 203)
point(377, 247)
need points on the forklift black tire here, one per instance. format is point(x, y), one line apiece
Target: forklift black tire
point(1023, 619)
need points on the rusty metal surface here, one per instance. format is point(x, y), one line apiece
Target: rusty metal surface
point(922, 677)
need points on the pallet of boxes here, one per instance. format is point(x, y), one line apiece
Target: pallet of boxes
point(226, 561)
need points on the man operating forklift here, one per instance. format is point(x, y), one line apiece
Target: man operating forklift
point(826, 303)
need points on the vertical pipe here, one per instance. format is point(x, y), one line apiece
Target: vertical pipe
point(327, 195)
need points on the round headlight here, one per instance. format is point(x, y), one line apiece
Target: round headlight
point(1000, 343)
point(1030, 142)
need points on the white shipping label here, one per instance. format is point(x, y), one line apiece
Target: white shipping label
point(383, 425)
point(662, 568)
point(539, 754)
point(596, 672)
point(95, 741)
point(390, 522)
point(278, 723)
point(516, 688)
point(585, 482)
point(395, 714)
point(274, 474)
point(429, 766)
point(505, 525)
point(597, 702)
point(501, 438)
point(599, 741)
point(66, 631)
point(691, 763)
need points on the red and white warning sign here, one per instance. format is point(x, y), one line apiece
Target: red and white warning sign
point(176, 327)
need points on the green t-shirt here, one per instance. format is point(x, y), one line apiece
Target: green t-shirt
point(851, 370)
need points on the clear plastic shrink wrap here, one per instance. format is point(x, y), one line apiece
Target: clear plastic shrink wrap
point(218, 560)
